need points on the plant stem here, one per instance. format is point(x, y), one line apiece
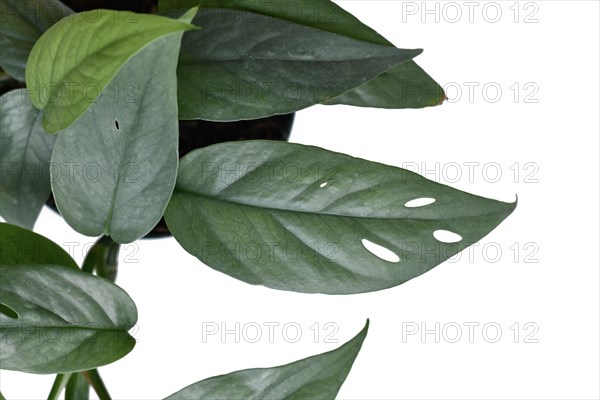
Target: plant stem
point(93, 377)
point(103, 258)
point(57, 387)
point(77, 388)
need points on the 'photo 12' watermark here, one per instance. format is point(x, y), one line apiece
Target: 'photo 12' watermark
point(269, 332)
point(453, 12)
point(469, 332)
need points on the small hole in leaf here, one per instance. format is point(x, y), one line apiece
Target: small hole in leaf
point(380, 251)
point(117, 124)
point(447, 236)
point(322, 185)
point(421, 202)
point(9, 312)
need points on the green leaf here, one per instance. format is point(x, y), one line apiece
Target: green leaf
point(25, 152)
point(298, 218)
point(22, 246)
point(22, 22)
point(403, 86)
point(72, 63)
point(265, 66)
point(321, 14)
point(67, 321)
point(316, 377)
point(122, 190)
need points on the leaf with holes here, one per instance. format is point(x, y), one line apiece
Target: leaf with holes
point(22, 246)
point(22, 22)
point(122, 190)
point(25, 151)
point(266, 65)
point(56, 319)
point(76, 58)
point(294, 217)
point(404, 86)
point(316, 377)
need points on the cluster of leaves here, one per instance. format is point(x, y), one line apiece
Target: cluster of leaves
point(98, 126)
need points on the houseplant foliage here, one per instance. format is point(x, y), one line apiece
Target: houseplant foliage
point(97, 126)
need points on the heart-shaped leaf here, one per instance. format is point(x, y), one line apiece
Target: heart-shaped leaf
point(74, 60)
point(403, 86)
point(21, 246)
point(22, 22)
point(25, 152)
point(301, 218)
point(58, 319)
point(115, 168)
point(316, 377)
point(265, 65)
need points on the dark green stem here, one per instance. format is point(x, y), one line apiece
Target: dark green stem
point(103, 258)
point(57, 387)
point(77, 388)
point(93, 377)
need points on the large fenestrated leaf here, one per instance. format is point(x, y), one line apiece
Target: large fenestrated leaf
point(295, 217)
point(76, 58)
point(22, 22)
point(22, 246)
point(25, 151)
point(243, 65)
point(57, 319)
point(316, 377)
point(125, 151)
point(403, 86)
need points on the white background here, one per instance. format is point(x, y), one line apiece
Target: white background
point(555, 143)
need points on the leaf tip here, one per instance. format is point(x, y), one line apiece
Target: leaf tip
point(189, 16)
point(364, 331)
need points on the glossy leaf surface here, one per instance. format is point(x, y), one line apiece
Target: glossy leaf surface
point(66, 320)
point(404, 86)
point(265, 65)
point(299, 218)
point(116, 166)
point(73, 62)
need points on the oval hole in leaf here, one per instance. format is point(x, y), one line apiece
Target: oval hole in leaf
point(380, 251)
point(447, 236)
point(9, 312)
point(420, 202)
point(322, 185)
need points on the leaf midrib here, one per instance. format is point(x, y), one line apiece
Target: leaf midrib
point(179, 191)
point(296, 60)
